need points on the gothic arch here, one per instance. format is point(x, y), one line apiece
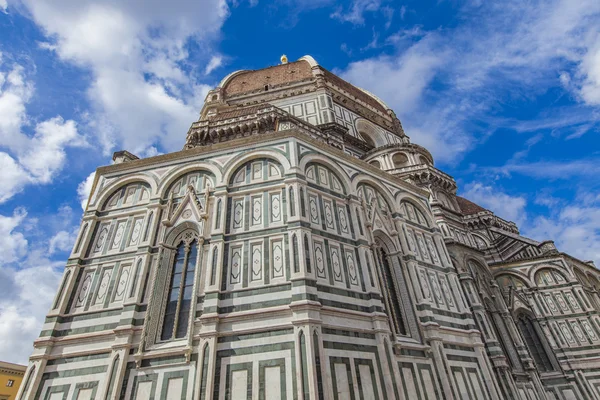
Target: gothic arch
point(340, 178)
point(384, 191)
point(230, 167)
point(506, 278)
point(110, 195)
point(176, 173)
point(555, 274)
point(419, 208)
point(335, 168)
point(107, 191)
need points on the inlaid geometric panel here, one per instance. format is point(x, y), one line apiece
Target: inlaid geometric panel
point(319, 259)
point(277, 258)
point(235, 275)
point(256, 268)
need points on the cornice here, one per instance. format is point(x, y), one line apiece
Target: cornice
point(295, 133)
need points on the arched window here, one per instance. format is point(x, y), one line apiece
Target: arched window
point(375, 163)
point(292, 202)
point(81, 238)
point(307, 255)
point(400, 160)
point(111, 381)
point(62, 288)
point(136, 277)
point(302, 204)
point(538, 348)
point(179, 300)
point(149, 225)
point(391, 294)
point(296, 255)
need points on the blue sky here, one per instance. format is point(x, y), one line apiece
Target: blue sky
point(506, 95)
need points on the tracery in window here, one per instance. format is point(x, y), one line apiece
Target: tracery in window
point(180, 295)
point(535, 343)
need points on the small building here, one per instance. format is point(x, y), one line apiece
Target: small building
point(11, 376)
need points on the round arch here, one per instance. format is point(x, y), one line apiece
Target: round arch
point(230, 167)
point(533, 273)
point(512, 275)
point(370, 132)
point(335, 168)
point(406, 197)
point(111, 188)
point(177, 172)
point(385, 192)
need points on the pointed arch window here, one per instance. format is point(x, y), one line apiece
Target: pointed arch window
point(538, 348)
point(180, 295)
point(391, 294)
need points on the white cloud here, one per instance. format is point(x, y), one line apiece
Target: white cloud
point(13, 245)
point(84, 189)
point(214, 63)
point(62, 241)
point(3, 5)
point(46, 155)
point(511, 208)
point(29, 160)
point(552, 170)
point(575, 229)
point(355, 14)
point(142, 92)
point(443, 85)
point(25, 300)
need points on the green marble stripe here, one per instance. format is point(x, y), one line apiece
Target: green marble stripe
point(354, 334)
point(349, 347)
point(334, 378)
point(348, 293)
point(303, 367)
point(231, 368)
point(427, 367)
point(86, 385)
point(353, 307)
point(76, 331)
point(454, 357)
point(305, 296)
point(325, 190)
point(458, 347)
point(76, 372)
point(265, 348)
point(328, 235)
point(174, 375)
point(145, 378)
point(448, 324)
point(357, 363)
point(402, 366)
point(95, 315)
point(67, 360)
point(253, 306)
point(64, 389)
point(410, 257)
point(259, 335)
point(262, 365)
point(413, 353)
point(128, 372)
point(253, 292)
point(203, 379)
point(457, 370)
point(392, 376)
point(155, 362)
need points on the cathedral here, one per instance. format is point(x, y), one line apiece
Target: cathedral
point(301, 247)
